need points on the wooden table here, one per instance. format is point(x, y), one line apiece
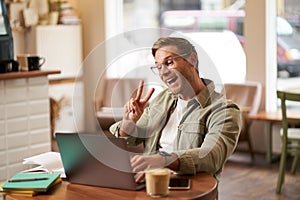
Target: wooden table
point(203, 186)
point(272, 118)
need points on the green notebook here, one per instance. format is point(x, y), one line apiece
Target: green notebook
point(41, 182)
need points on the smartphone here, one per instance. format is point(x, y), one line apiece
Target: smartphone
point(179, 183)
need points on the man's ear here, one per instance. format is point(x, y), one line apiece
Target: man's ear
point(193, 59)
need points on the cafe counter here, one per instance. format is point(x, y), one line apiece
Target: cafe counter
point(24, 118)
point(28, 74)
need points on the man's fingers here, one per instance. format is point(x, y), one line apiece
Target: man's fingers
point(139, 91)
point(140, 177)
point(148, 96)
point(134, 158)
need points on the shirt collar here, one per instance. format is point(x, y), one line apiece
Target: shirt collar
point(204, 97)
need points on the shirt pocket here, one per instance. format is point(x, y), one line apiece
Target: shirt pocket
point(192, 128)
point(157, 114)
point(191, 134)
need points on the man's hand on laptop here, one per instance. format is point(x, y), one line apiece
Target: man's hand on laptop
point(140, 163)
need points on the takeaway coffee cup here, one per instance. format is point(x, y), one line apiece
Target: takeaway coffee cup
point(157, 182)
point(28, 62)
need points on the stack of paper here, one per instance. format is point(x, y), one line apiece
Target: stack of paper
point(47, 162)
point(30, 184)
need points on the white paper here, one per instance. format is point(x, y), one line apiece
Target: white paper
point(49, 162)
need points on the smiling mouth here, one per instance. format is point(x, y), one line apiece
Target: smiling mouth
point(172, 80)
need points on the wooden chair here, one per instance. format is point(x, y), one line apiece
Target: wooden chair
point(290, 137)
point(248, 96)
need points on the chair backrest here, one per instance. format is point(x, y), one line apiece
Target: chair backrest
point(285, 96)
point(246, 95)
point(118, 91)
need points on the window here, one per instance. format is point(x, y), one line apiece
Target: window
point(156, 15)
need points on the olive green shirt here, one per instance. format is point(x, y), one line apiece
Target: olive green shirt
point(206, 135)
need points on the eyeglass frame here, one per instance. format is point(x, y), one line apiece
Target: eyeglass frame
point(156, 69)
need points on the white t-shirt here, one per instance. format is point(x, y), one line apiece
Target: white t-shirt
point(170, 131)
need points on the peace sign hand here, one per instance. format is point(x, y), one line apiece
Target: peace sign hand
point(135, 108)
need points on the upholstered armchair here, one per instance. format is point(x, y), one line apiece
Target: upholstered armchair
point(115, 93)
point(248, 96)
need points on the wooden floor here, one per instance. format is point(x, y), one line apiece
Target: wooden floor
point(242, 179)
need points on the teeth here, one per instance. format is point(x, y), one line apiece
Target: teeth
point(171, 80)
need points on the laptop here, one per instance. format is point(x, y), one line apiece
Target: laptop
point(97, 160)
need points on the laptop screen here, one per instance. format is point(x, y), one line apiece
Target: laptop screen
point(96, 160)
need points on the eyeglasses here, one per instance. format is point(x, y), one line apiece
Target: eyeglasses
point(168, 63)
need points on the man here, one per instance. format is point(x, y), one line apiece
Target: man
point(188, 127)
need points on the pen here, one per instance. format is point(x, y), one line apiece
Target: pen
point(27, 179)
